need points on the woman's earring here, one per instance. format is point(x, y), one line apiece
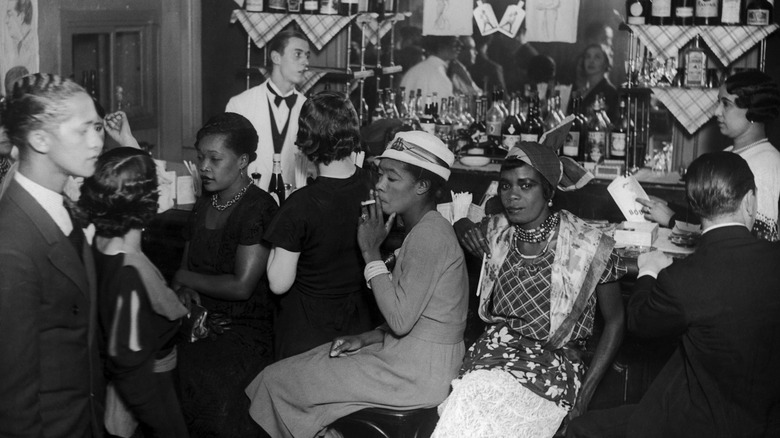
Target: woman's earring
point(549, 203)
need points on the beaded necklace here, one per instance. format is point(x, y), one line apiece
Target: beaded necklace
point(222, 207)
point(539, 234)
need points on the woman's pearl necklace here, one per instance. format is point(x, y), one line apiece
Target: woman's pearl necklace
point(221, 207)
point(748, 146)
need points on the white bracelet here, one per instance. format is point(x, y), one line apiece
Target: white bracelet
point(373, 269)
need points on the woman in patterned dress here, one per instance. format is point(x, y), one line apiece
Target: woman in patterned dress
point(544, 273)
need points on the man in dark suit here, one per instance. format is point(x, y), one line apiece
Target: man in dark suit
point(724, 302)
point(50, 376)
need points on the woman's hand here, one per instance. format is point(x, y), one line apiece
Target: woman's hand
point(656, 210)
point(653, 261)
point(372, 230)
point(471, 238)
point(118, 128)
point(188, 296)
point(345, 345)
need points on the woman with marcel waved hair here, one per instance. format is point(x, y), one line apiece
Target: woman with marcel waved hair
point(138, 313)
point(315, 261)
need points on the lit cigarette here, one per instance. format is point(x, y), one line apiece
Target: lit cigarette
point(367, 203)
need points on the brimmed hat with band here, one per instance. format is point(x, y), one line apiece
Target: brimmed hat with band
point(561, 172)
point(421, 149)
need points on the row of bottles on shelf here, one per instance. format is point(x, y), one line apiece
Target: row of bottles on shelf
point(322, 7)
point(495, 129)
point(691, 71)
point(700, 12)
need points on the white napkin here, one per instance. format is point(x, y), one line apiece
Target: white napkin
point(460, 205)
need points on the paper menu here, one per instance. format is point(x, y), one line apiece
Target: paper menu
point(625, 190)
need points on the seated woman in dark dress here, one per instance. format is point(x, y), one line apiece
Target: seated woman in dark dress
point(120, 199)
point(223, 268)
point(315, 260)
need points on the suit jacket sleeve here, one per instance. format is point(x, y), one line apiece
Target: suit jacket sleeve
point(654, 309)
point(20, 299)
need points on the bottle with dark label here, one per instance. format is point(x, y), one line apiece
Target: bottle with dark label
point(759, 13)
point(636, 11)
point(348, 7)
point(276, 186)
point(706, 12)
point(427, 121)
point(477, 129)
point(510, 131)
point(683, 12)
point(730, 12)
point(311, 6)
point(597, 134)
point(571, 146)
point(618, 137)
point(661, 12)
point(533, 128)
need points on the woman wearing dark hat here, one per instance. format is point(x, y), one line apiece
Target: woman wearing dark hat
point(410, 360)
point(543, 274)
point(746, 103)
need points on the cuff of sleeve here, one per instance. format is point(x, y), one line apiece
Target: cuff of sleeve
point(651, 272)
point(373, 269)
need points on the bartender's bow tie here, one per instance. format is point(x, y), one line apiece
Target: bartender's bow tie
point(290, 100)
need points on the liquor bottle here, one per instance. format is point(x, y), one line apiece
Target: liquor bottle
point(759, 13)
point(365, 115)
point(571, 146)
point(427, 122)
point(552, 119)
point(348, 7)
point(443, 125)
point(378, 112)
point(706, 13)
point(597, 134)
point(362, 6)
point(695, 65)
point(533, 128)
point(276, 186)
point(294, 6)
point(419, 104)
point(391, 111)
point(661, 12)
point(683, 12)
point(558, 109)
point(329, 7)
point(619, 135)
point(494, 121)
point(254, 5)
point(510, 131)
point(478, 130)
point(311, 6)
point(730, 12)
point(277, 6)
point(501, 104)
point(636, 11)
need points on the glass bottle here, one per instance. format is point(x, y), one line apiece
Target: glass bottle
point(661, 12)
point(293, 6)
point(571, 146)
point(619, 135)
point(311, 6)
point(494, 121)
point(597, 134)
point(391, 112)
point(730, 12)
point(365, 115)
point(533, 128)
point(276, 186)
point(443, 128)
point(510, 131)
point(277, 6)
point(553, 119)
point(478, 130)
point(378, 113)
point(683, 12)
point(419, 104)
point(427, 122)
point(759, 13)
point(706, 13)
point(695, 65)
point(329, 7)
point(636, 11)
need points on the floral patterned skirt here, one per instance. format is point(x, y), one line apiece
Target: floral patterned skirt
point(555, 375)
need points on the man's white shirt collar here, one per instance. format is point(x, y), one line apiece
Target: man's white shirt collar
point(51, 201)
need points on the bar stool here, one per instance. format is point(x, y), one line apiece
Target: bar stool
point(388, 423)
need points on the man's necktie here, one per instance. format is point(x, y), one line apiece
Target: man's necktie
point(76, 236)
point(290, 100)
